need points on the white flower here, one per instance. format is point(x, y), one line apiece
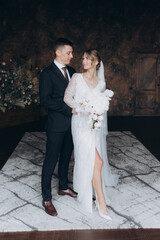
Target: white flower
point(108, 93)
point(97, 124)
point(95, 105)
point(90, 123)
point(100, 118)
point(95, 117)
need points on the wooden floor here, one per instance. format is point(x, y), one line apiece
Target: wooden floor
point(146, 129)
point(123, 234)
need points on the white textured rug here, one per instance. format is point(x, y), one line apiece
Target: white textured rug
point(135, 202)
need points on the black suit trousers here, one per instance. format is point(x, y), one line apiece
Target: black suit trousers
point(58, 147)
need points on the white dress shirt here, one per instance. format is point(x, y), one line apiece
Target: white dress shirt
point(59, 65)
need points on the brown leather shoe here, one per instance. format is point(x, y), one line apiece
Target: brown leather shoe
point(68, 192)
point(49, 208)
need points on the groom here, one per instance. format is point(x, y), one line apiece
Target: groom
point(53, 82)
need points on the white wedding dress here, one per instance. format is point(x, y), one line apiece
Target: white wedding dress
point(85, 142)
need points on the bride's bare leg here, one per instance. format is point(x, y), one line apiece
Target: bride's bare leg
point(97, 182)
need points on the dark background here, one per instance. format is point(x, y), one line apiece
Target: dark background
point(122, 30)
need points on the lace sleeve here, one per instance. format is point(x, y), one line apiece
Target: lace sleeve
point(70, 92)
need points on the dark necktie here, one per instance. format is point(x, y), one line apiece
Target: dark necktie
point(65, 74)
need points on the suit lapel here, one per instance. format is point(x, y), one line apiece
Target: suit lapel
point(57, 71)
point(70, 73)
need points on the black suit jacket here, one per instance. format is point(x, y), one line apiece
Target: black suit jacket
point(52, 87)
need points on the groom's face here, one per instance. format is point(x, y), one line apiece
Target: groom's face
point(65, 54)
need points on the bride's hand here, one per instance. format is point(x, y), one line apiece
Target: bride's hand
point(74, 111)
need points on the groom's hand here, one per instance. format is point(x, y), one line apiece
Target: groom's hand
point(74, 111)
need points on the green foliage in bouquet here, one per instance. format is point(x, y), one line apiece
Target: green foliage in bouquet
point(18, 85)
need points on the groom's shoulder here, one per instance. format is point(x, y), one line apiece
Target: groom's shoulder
point(46, 69)
point(71, 69)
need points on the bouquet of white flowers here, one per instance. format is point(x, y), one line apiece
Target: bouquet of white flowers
point(96, 105)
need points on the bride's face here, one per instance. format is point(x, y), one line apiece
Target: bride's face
point(87, 62)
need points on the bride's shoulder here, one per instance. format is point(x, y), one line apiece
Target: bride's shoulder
point(76, 76)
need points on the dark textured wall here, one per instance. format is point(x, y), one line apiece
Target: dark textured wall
point(118, 29)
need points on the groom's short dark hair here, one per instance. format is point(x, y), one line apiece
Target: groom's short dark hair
point(61, 42)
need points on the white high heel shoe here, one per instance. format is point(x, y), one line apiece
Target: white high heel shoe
point(106, 216)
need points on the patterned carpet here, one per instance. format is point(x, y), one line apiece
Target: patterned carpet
point(134, 203)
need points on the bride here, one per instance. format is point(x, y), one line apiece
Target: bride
point(91, 171)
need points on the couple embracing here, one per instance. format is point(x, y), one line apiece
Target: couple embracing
point(62, 92)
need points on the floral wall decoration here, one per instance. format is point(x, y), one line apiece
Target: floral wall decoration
point(19, 85)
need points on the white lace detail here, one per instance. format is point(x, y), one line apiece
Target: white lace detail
point(70, 92)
